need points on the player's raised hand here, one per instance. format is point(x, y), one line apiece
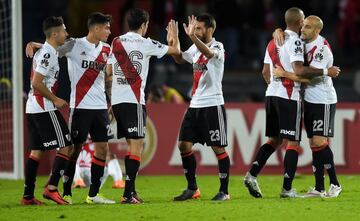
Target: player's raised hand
point(172, 31)
point(333, 71)
point(60, 103)
point(190, 28)
point(278, 71)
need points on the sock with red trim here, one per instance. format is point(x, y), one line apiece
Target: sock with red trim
point(262, 156)
point(32, 165)
point(290, 164)
point(132, 168)
point(189, 165)
point(69, 176)
point(59, 165)
point(224, 166)
point(97, 172)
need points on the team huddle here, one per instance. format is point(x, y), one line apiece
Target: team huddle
point(119, 72)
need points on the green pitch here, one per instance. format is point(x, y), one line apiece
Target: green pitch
point(157, 191)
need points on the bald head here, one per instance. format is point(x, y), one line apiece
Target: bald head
point(294, 16)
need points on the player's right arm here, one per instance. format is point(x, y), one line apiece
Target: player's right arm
point(108, 79)
point(31, 48)
point(39, 86)
point(266, 73)
point(280, 72)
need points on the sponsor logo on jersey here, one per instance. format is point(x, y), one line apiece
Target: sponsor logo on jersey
point(157, 43)
point(83, 53)
point(297, 43)
point(50, 143)
point(92, 65)
point(287, 132)
point(199, 67)
point(298, 50)
point(124, 81)
point(319, 57)
point(44, 62)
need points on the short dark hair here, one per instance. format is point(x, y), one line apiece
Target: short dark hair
point(136, 17)
point(51, 22)
point(208, 20)
point(98, 18)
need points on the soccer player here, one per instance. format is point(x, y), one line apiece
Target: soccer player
point(205, 119)
point(82, 176)
point(283, 104)
point(319, 107)
point(47, 128)
point(128, 66)
point(87, 59)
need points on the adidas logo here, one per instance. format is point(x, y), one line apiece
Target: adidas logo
point(327, 166)
point(83, 53)
point(127, 177)
point(256, 163)
point(286, 175)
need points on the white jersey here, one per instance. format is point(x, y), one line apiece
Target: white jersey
point(86, 64)
point(208, 75)
point(130, 56)
point(45, 62)
point(320, 90)
point(291, 51)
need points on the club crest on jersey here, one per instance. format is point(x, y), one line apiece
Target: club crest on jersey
point(297, 43)
point(104, 56)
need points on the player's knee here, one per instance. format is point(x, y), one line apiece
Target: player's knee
point(318, 141)
point(275, 142)
point(184, 147)
point(36, 154)
point(218, 150)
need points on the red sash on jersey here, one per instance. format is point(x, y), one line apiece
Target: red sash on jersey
point(274, 55)
point(89, 77)
point(130, 72)
point(309, 56)
point(197, 73)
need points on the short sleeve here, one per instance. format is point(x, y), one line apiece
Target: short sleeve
point(218, 50)
point(155, 48)
point(188, 55)
point(296, 50)
point(267, 59)
point(322, 58)
point(66, 48)
point(44, 62)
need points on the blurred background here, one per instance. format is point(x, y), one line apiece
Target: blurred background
point(243, 26)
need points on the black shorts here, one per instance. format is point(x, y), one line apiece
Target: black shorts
point(130, 120)
point(319, 119)
point(283, 118)
point(47, 131)
point(205, 125)
point(90, 121)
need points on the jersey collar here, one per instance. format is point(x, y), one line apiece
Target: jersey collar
point(291, 33)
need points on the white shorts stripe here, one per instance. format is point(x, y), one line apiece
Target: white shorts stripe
point(298, 121)
point(57, 128)
point(222, 126)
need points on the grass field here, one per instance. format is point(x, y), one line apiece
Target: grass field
point(157, 191)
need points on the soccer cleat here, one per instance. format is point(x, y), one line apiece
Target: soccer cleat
point(251, 183)
point(289, 194)
point(79, 183)
point(334, 191)
point(130, 200)
point(98, 199)
point(314, 193)
point(54, 196)
point(137, 197)
point(118, 184)
point(187, 195)
point(221, 196)
point(68, 199)
point(33, 201)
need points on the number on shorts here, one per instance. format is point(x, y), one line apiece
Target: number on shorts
point(214, 135)
point(317, 125)
point(109, 131)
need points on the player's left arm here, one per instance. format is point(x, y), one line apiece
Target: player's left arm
point(280, 72)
